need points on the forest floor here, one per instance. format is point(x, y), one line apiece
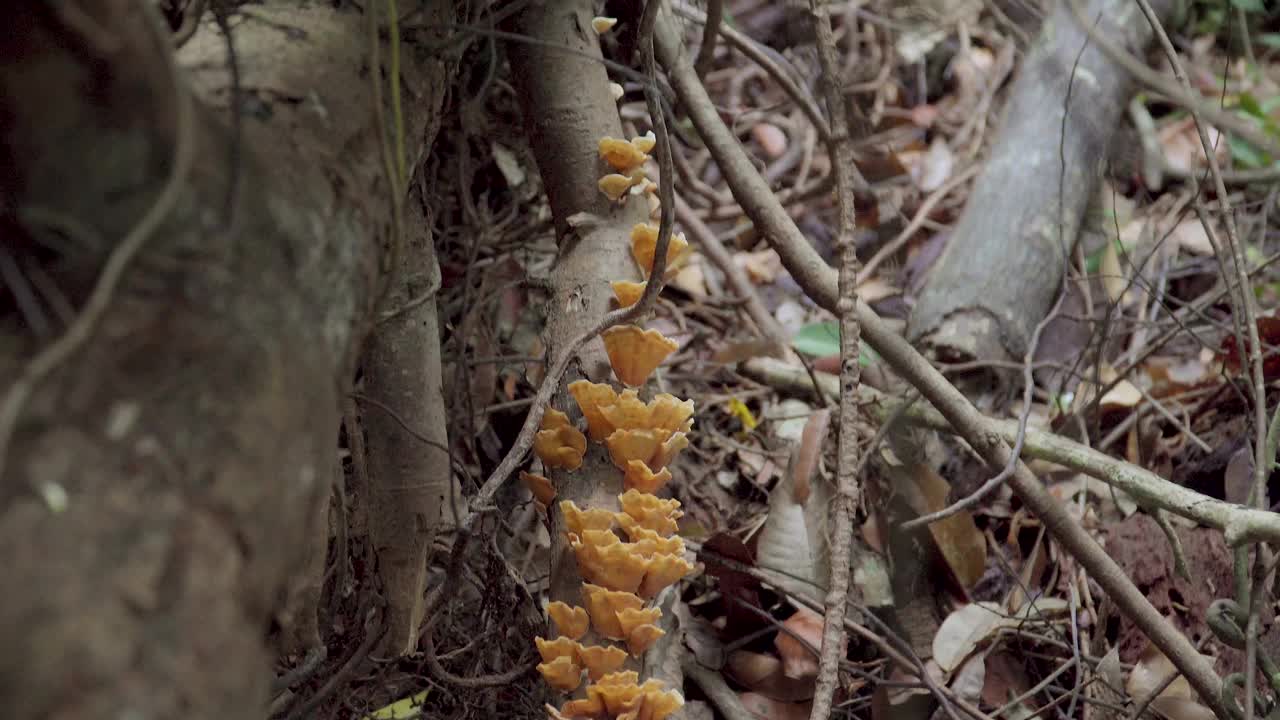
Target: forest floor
point(927, 103)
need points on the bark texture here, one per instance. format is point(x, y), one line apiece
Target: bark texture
point(409, 476)
point(163, 482)
point(568, 108)
point(1003, 265)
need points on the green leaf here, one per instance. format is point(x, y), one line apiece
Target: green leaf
point(1250, 105)
point(820, 339)
point(402, 709)
point(1248, 5)
point(1247, 155)
point(1268, 40)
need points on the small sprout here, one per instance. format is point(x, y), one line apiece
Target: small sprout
point(603, 25)
point(635, 353)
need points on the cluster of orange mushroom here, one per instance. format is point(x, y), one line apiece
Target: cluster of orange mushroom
point(628, 556)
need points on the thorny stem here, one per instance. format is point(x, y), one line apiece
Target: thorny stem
point(841, 151)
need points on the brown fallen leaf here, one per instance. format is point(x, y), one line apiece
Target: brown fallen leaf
point(798, 661)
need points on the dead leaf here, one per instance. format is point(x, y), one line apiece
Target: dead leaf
point(963, 631)
point(1191, 236)
point(1114, 280)
point(761, 267)
point(1182, 147)
point(691, 278)
point(763, 674)
point(771, 138)
point(1237, 481)
point(1150, 671)
point(957, 536)
point(798, 661)
point(769, 709)
point(969, 679)
point(931, 169)
point(1005, 678)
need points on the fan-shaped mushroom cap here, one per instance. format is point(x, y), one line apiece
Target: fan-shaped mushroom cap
point(577, 520)
point(561, 647)
point(621, 155)
point(630, 618)
point(615, 186)
point(654, 703)
point(591, 397)
point(601, 660)
point(627, 292)
point(646, 142)
point(559, 444)
point(561, 447)
point(664, 412)
point(661, 572)
point(626, 446)
point(639, 477)
point(605, 560)
point(562, 673)
point(603, 24)
point(571, 621)
point(540, 486)
point(668, 450)
point(634, 353)
point(651, 512)
point(604, 606)
point(644, 247)
point(642, 638)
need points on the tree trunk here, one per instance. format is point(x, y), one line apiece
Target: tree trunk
point(1002, 267)
point(161, 480)
point(409, 475)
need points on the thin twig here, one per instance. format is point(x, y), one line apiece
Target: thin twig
point(83, 327)
point(848, 461)
point(818, 280)
point(707, 51)
point(1245, 304)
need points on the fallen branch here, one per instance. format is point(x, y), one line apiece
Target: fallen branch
point(809, 270)
point(1240, 523)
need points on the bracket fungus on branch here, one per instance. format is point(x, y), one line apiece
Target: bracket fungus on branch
point(621, 575)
